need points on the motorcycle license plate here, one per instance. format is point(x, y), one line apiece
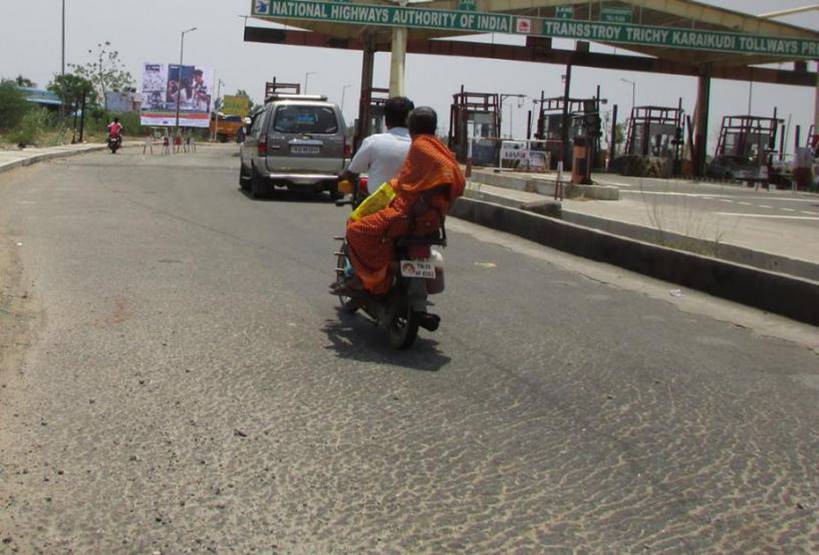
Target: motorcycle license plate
point(305, 149)
point(417, 269)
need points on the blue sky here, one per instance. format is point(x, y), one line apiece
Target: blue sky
point(148, 30)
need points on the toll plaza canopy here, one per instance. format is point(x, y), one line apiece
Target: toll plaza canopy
point(682, 31)
point(679, 37)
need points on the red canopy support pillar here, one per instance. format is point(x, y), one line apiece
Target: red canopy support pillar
point(701, 117)
point(368, 60)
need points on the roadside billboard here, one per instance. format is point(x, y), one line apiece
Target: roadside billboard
point(236, 105)
point(164, 86)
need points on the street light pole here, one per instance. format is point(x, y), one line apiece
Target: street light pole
point(306, 78)
point(216, 111)
point(633, 91)
point(343, 93)
point(62, 66)
point(179, 74)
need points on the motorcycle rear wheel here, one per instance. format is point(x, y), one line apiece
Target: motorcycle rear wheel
point(348, 304)
point(403, 329)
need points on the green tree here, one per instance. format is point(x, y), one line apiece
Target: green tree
point(13, 105)
point(70, 88)
point(25, 82)
point(106, 71)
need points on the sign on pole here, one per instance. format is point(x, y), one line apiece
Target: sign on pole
point(616, 15)
point(616, 32)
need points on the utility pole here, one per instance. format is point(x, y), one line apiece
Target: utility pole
point(219, 84)
point(62, 66)
point(179, 74)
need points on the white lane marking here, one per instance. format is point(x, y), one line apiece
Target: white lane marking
point(772, 197)
point(765, 206)
point(810, 213)
point(789, 209)
point(745, 203)
point(768, 216)
point(725, 200)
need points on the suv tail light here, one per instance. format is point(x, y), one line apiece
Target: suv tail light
point(261, 146)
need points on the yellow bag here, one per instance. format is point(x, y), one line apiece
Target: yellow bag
point(375, 202)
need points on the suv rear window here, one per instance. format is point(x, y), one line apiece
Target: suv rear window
point(305, 119)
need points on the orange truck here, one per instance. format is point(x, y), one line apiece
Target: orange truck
point(225, 128)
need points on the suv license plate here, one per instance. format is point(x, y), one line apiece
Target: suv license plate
point(305, 149)
point(417, 269)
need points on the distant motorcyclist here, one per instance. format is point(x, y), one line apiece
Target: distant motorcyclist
point(115, 129)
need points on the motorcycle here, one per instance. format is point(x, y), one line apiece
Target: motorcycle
point(114, 142)
point(418, 272)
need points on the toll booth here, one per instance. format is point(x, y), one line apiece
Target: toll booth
point(813, 141)
point(746, 145)
point(274, 87)
point(583, 117)
point(654, 142)
point(372, 107)
point(475, 117)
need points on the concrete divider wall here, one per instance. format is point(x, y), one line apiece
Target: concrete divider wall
point(789, 296)
point(544, 186)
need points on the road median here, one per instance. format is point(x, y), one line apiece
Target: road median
point(789, 296)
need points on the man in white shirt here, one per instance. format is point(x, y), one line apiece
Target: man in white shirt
point(382, 155)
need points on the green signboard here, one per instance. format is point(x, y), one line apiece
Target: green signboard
point(685, 39)
point(391, 16)
point(564, 12)
point(482, 22)
point(616, 15)
point(467, 5)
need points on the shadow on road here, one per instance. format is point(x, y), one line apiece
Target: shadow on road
point(284, 195)
point(356, 338)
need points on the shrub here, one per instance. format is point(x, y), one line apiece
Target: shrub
point(31, 127)
point(13, 105)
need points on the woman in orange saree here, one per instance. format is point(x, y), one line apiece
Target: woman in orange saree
point(427, 184)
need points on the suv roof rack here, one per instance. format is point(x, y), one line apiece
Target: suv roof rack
point(286, 96)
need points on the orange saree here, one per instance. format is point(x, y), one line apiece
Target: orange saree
point(429, 165)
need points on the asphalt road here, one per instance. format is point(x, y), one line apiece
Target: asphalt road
point(177, 380)
point(781, 207)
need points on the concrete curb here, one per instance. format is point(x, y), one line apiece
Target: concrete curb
point(545, 187)
point(789, 296)
point(731, 253)
point(44, 157)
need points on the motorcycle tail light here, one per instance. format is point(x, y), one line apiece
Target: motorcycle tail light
point(419, 251)
point(362, 185)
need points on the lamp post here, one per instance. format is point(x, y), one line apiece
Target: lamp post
point(503, 97)
point(792, 11)
point(179, 73)
point(343, 93)
point(633, 91)
point(62, 66)
point(216, 111)
point(307, 78)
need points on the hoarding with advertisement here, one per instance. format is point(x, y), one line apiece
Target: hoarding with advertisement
point(163, 85)
point(235, 105)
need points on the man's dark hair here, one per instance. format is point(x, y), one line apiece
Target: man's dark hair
point(116, 120)
point(396, 110)
point(198, 72)
point(423, 121)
